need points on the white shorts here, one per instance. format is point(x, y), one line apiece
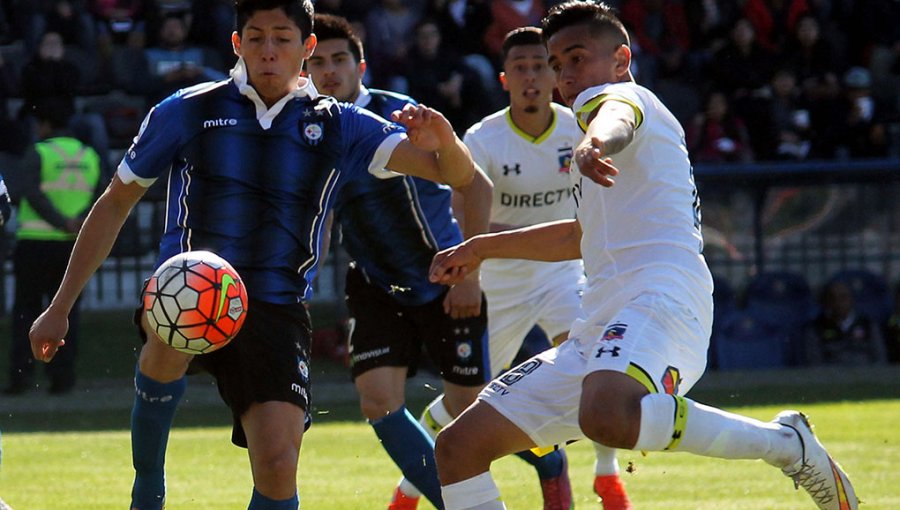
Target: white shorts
point(511, 315)
point(653, 338)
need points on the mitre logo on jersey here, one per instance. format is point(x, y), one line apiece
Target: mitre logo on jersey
point(517, 169)
point(312, 132)
point(565, 159)
point(211, 123)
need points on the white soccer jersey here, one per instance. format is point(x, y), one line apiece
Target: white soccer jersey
point(531, 185)
point(650, 218)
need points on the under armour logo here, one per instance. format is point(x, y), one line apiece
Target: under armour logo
point(517, 169)
point(603, 350)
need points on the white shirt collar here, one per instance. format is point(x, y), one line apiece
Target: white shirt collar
point(364, 97)
point(265, 115)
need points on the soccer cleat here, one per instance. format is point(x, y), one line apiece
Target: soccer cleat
point(4, 506)
point(612, 492)
point(557, 491)
point(821, 477)
point(401, 501)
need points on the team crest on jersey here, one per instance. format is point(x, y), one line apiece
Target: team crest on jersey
point(313, 132)
point(303, 368)
point(614, 332)
point(464, 350)
point(565, 159)
point(671, 380)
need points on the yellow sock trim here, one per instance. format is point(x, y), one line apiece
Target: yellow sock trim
point(681, 411)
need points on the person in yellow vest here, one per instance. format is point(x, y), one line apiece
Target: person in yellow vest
point(59, 183)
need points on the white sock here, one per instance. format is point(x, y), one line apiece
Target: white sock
point(434, 418)
point(477, 493)
point(679, 424)
point(606, 463)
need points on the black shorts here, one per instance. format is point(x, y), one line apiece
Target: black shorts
point(268, 360)
point(387, 333)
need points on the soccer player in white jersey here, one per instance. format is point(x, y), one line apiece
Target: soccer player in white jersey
point(620, 377)
point(526, 149)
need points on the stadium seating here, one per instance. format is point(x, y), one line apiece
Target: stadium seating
point(752, 339)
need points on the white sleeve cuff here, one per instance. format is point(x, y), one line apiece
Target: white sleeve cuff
point(383, 155)
point(127, 176)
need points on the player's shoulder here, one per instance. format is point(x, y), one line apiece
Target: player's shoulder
point(390, 99)
point(495, 124)
point(194, 100)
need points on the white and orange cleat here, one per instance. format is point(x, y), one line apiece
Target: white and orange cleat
point(815, 471)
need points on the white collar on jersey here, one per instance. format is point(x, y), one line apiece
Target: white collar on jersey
point(266, 115)
point(364, 97)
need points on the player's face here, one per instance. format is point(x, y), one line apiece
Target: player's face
point(273, 49)
point(528, 78)
point(580, 60)
point(335, 71)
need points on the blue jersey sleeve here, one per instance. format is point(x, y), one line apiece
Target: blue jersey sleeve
point(156, 145)
point(369, 140)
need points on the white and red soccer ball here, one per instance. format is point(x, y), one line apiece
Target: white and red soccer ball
point(195, 302)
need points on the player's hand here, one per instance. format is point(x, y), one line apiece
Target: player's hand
point(426, 127)
point(452, 265)
point(464, 299)
point(592, 164)
point(47, 334)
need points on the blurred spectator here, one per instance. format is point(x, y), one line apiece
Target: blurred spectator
point(659, 27)
point(865, 133)
point(388, 30)
point(718, 135)
point(174, 64)
point(709, 22)
point(817, 62)
point(52, 75)
point(676, 87)
point(840, 335)
point(892, 331)
point(742, 65)
point(774, 19)
point(505, 16)
point(119, 22)
point(462, 24)
point(438, 78)
point(13, 138)
point(69, 19)
point(211, 27)
point(61, 179)
point(787, 132)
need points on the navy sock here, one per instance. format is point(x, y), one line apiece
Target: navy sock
point(412, 449)
point(548, 466)
point(151, 419)
point(260, 502)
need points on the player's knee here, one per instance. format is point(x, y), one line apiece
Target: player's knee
point(451, 452)
point(375, 406)
point(275, 466)
point(611, 422)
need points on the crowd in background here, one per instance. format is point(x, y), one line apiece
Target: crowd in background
point(751, 80)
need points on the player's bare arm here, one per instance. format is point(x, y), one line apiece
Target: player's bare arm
point(472, 207)
point(96, 239)
point(433, 151)
point(547, 242)
point(610, 129)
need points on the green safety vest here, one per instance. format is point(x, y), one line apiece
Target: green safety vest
point(70, 171)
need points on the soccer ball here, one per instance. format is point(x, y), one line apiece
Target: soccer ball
point(196, 302)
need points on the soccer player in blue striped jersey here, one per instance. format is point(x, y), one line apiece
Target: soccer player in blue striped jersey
point(392, 228)
point(254, 164)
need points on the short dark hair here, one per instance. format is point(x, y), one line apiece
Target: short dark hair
point(300, 11)
point(522, 36)
point(599, 17)
point(55, 110)
point(329, 26)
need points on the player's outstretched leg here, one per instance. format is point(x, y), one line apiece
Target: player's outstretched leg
point(464, 452)
point(412, 449)
point(434, 418)
point(611, 406)
point(151, 419)
point(607, 484)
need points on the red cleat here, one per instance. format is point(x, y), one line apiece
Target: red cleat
point(612, 492)
point(401, 501)
point(558, 491)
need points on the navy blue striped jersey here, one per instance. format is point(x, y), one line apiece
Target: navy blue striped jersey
point(254, 184)
point(392, 227)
